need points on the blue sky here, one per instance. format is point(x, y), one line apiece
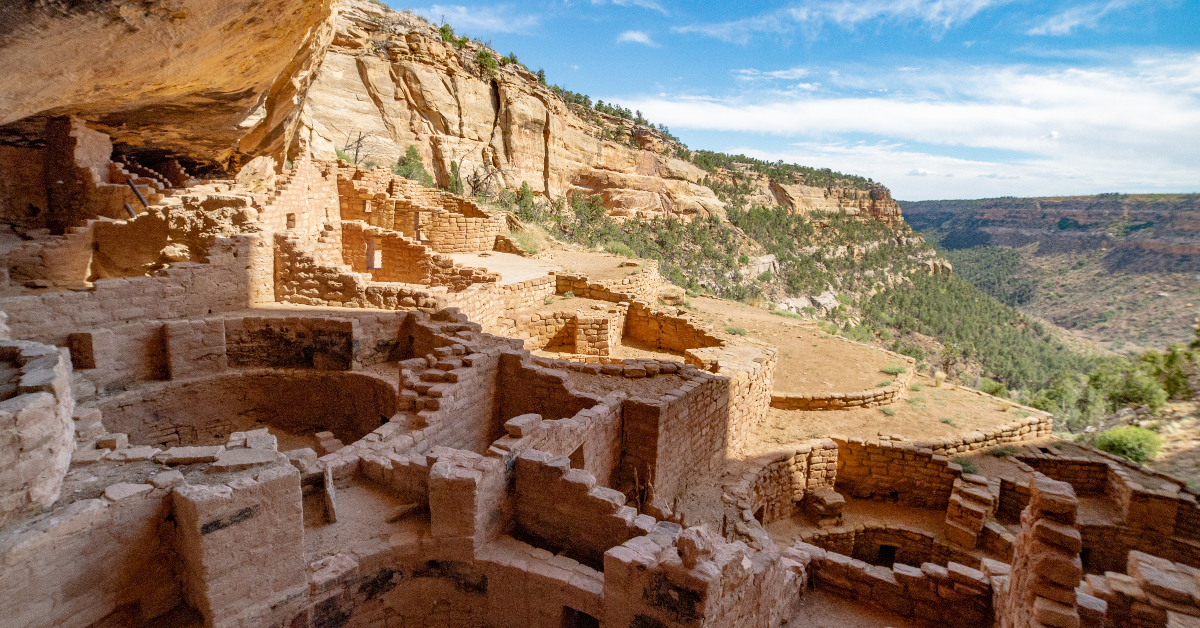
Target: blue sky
point(934, 98)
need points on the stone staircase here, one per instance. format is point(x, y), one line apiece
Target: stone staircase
point(972, 501)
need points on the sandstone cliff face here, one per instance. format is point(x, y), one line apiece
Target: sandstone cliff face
point(391, 78)
point(876, 202)
point(204, 78)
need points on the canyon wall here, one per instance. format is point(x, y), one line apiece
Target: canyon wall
point(1141, 232)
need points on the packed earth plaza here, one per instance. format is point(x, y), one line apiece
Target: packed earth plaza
point(315, 395)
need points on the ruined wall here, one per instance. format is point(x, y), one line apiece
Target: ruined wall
point(676, 578)
point(205, 410)
point(22, 188)
point(563, 510)
point(264, 517)
point(1039, 425)
point(771, 486)
point(37, 435)
point(184, 290)
point(902, 473)
point(94, 559)
point(954, 595)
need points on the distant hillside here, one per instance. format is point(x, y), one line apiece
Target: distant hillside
point(1117, 269)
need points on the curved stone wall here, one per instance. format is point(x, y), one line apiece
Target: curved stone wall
point(861, 399)
point(205, 411)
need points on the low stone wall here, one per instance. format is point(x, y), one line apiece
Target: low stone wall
point(906, 474)
point(771, 485)
point(88, 561)
point(881, 396)
point(205, 410)
point(1153, 591)
point(955, 595)
point(505, 244)
point(404, 260)
point(1039, 425)
point(37, 435)
point(913, 547)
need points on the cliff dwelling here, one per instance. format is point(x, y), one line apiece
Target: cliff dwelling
point(297, 391)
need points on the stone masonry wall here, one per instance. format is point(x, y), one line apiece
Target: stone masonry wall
point(954, 595)
point(91, 560)
point(778, 481)
point(37, 435)
point(563, 510)
point(903, 473)
point(241, 545)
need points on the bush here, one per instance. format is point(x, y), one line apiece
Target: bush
point(765, 276)
point(888, 411)
point(743, 259)
point(967, 465)
point(486, 61)
point(410, 166)
point(619, 248)
point(993, 388)
point(736, 331)
point(1002, 452)
point(1136, 443)
point(893, 370)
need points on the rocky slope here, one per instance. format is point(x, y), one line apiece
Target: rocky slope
point(1117, 270)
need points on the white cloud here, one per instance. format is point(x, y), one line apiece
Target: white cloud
point(1086, 15)
point(488, 19)
point(637, 37)
point(750, 74)
point(645, 4)
point(1131, 126)
point(810, 16)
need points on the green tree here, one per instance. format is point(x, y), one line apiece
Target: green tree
point(410, 166)
point(455, 185)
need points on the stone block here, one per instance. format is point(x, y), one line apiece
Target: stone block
point(232, 460)
point(189, 455)
point(123, 490)
point(114, 441)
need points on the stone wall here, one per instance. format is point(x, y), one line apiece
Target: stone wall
point(241, 546)
point(954, 595)
point(1039, 425)
point(37, 435)
point(1153, 591)
point(881, 396)
point(904, 474)
point(205, 410)
point(563, 510)
point(914, 546)
point(770, 486)
point(184, 290)
point(673, 578)
point(404, 260)
point(94, 559)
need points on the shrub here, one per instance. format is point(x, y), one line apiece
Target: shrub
point(527, 241)
point(548, 301)
point(886, 382)
point(893, 370)
point(486, 61)
point(888, 411)
point(411, 166)
point(1136, 443)
point(569, 294)
point(1002, 452)
point(993, 388)
point(737, 331)
point(619, 248)
point(948, 421)
point(967, 465)
point(743, 259)
point(765, 276)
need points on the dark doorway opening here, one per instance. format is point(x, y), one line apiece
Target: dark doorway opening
point(886, 556)
point(572, 618)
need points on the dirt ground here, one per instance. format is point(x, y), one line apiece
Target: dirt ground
point(785, 532)
point(597, 266)
point(926, 413)
point(820, 609)
point(809, 360)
